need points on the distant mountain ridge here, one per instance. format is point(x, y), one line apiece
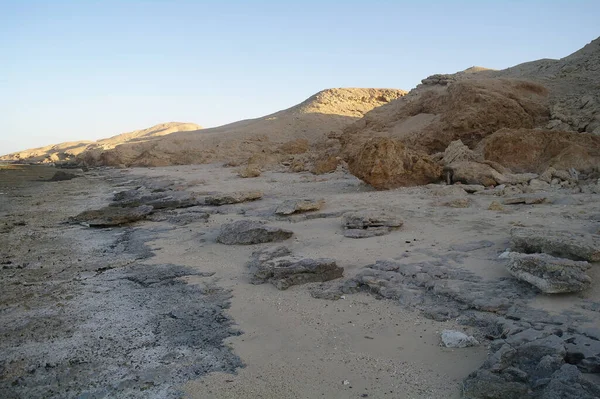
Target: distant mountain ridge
point(68, 151)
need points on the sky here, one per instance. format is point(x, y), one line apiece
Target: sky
point(84, 70)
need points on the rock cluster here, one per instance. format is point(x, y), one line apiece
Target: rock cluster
point(277, 266)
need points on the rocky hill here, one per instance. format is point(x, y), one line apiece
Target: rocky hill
point(546, 111)
point(291, 131)
point(69, 151)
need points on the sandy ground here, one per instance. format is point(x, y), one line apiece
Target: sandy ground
point(295, 346)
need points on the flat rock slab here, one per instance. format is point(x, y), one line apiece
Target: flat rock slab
point(551, 275)
point(564, 244)
point(366, 219)
point(112, 216)
point(247, 232)
point(233, 198)
point(158, 200)
point(522, 199)
point(290, 207)
point(277, 266)
point(364, 224)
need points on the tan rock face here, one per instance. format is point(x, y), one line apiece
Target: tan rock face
point(528, 150)
point(385, 163)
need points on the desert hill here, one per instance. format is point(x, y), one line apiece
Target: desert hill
point(521, 110)
point(290, 131)
point(67, 152)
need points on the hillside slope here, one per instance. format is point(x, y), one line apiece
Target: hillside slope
point(284, 132)
point(68, 152)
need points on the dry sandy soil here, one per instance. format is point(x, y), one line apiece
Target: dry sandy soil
point(160, 309)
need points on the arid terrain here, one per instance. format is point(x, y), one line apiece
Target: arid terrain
point(366, 243)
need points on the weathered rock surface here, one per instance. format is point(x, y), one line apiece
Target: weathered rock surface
point(385, 164)
point(457, 339)
point(112, 216)
point(158, 199)
point(564, 244)
point(289, 207)
point(233, 198)
point(458, 152)
point(363, 224)
point(534, 369)
point(551, 275)
point(529, 150)
point(246, 232)
point(277, 266)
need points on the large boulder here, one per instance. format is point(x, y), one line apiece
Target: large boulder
point(551, 275)
point(385, 164)
point(246, 232)
point(564, 244)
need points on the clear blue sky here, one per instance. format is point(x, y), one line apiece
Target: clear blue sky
point(72, 70)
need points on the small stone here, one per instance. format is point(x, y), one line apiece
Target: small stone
point(495, 206)
point(458, 203)
point(536, 184)
point(457, 339)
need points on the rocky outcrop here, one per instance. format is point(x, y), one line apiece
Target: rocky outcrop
point(363, 224)
point(385, 164)
point(246, 232)
point(528, 150)
point(233, 198)
point(534, 369)
point(112, 216)
point(277, 266)
point(549, 274)
point(564, 244)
